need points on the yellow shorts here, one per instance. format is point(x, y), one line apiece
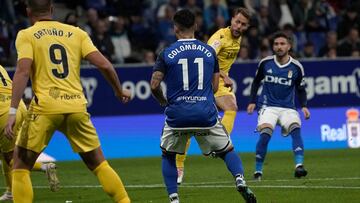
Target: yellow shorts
point(222, 90)
point(38, 130)
point(7, 145)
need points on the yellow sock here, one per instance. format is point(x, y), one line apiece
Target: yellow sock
point(22, 189)
point(111, 183)
point(180, 158)
point(6, 169)
point(37, 166)
point(228, 120)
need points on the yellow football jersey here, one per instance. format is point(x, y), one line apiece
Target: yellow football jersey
point(5, 91)
point(56, 50)
point(226, 46)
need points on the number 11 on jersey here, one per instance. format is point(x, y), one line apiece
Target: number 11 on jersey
point(185, 72)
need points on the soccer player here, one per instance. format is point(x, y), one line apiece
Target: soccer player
point(283, 76)
point(50, 53)
point(7, 146)
point(226, 43)
point(190, 70)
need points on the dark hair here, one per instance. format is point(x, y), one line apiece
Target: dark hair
point(244, 11)
point(39, 7)
point(280, 34)
point(184, 19)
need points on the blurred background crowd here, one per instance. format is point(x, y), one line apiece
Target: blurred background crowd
point(134, 31)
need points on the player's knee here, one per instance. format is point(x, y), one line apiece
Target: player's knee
point(221, 153)
point(293, 127)
point(170, 155)
point(266, 130)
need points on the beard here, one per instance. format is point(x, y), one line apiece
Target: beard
point(280, 53)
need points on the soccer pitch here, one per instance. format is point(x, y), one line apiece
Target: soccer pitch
point(334, 176)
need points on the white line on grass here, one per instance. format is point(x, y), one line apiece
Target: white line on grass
point(216, 184)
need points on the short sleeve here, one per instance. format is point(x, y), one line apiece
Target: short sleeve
point(216, 65)
point(24, 47)
point(160, 64)
point(87, 46)
point(215, 42)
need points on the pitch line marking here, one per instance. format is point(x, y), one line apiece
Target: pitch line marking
point(206, 184)
point(214, 186)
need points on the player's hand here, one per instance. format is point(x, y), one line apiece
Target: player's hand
point(250, 108)
point(124, 96)
point(228, 83)
point(9, 128)
point(163, 103)
point(306, 112)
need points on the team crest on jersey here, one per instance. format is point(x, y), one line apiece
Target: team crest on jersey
point(216, 44)
point(290, 73)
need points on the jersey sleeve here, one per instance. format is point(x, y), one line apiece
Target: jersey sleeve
point(87, 45)
point(300, 88)
point(160, 64)
point(23, 46)
point(259, 76)
point(215, 42)
point(216, 65)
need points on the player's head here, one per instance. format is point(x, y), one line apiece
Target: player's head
point(38, 9)
point(239, 21)
point(184, 23)
point(281, 44)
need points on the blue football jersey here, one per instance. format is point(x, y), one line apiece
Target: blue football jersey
point(280, 83)
point(189, 66)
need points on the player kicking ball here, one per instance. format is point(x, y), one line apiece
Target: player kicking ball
point(283, 76)
point(190, 70)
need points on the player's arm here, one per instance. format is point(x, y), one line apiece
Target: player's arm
point(109, 73)
point(156, 79)
point(20, 79)
point(216, 43)
point(259, 76)
point(301, 93)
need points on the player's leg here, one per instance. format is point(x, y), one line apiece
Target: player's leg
point(34, 136)
point(267, 120)
point(108, 178)
point(83, 138)
point(172, 142)
point(6, 170)
point(180, 161)
point(291, 124)
point(227, 103)
point(218, 144)
point(5, 146)
point(23, 161)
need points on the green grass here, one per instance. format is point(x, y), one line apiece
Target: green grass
point(334, 176)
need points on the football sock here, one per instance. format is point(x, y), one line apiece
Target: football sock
point(6, 169)
point(180, 158)
point(228, 121)
point(22, 189)
point(37, 167)
point(169, 172)
point(297, 146)
point(111, 183)
point(261, 149)
point(233, 163)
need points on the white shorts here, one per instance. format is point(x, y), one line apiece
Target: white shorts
point(278, 115)
point(212, 141)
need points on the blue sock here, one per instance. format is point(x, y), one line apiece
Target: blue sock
point(297, 146)
point(233, 163)
point(169, 172)
point(261, 149)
